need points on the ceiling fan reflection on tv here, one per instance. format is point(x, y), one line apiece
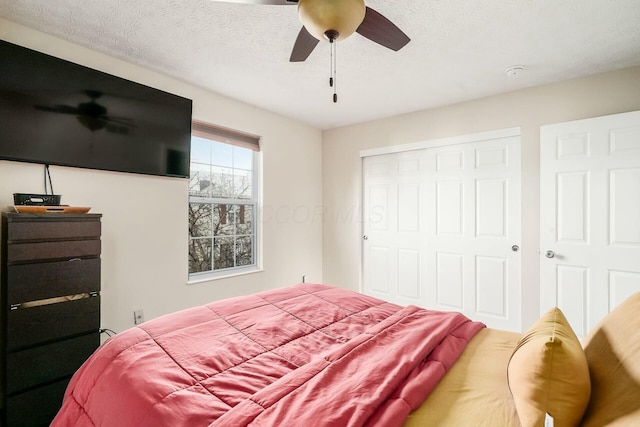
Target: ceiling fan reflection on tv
point(91, 114)
point(335, 20)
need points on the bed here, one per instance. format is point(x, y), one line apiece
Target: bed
point(315, 355)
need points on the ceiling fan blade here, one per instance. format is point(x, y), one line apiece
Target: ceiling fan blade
point(276, 2)
point(64, 109)
point(304, 45)
point(379, 29)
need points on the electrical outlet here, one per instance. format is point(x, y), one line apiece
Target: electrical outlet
point(138, 316)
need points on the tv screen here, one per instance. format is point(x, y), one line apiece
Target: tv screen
point(60, 113)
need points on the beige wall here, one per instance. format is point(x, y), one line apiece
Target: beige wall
point(144, 224)
point(598, 95)
point(144, 241)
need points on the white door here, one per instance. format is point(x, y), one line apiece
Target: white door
point(442, 226)
point(393, 253)
point(590, 216)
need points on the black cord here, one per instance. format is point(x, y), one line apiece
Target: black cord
point(109, 332)
point(47, 174)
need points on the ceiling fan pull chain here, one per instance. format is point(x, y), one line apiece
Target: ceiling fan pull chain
point(334, 56)
point(332, 36)
point(331, 55)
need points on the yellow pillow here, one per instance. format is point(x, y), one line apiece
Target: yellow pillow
point(613, 353)
point(548, 373)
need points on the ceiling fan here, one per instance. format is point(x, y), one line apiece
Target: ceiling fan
point(335, 20)
point(90, 114)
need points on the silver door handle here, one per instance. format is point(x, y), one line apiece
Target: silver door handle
point(550, 254)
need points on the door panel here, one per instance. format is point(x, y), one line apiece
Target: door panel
point(449, 206)
point(408, 207)
point(378, 267)
point(392, 259)
point(491, 285)
point(625, 207)
point(408, 273)
point(590, 205)
point(572, 207)
point(449, 283)
point(491, 206)
point(623, 285)
point(477, 211)
point(573, 286)
point(440, 233)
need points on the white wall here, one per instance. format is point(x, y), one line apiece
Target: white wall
point(144, 240)
point(598, 95)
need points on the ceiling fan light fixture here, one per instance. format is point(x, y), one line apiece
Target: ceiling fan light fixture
point(91, 123)
point(341, 16)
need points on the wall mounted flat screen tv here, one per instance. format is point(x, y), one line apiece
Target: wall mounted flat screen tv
point(59, 113)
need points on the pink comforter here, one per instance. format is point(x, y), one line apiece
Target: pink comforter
point(298, 356)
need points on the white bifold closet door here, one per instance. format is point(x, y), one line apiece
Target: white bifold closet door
point(590, 216)
point(441, 229)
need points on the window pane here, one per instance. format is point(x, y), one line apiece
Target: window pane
point(200, 180)
point(199, 255)
point(222, 154)
point(222, 182)
point(242, 184)
point(223, 220)
point(200, 220)
point(244, 220)
point(223, 253)
point(242, 158)
point(200, 150)
point(244, 251)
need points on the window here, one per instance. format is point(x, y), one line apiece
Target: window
point(223, 202)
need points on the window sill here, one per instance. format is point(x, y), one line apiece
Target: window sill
point(223, 275)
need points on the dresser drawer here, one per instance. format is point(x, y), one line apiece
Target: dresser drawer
point(32, 282)
point(36, 407)
point(58, 228)
point(46, 363)
point(35, 325)
point(40, 251)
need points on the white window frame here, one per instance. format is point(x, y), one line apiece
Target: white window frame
point(231, 137)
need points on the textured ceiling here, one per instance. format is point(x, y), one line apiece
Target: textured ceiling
point(459, 49)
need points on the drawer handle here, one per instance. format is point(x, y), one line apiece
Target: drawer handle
point(75, 259)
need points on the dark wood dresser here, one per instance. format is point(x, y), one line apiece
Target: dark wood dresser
point(49, 310)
